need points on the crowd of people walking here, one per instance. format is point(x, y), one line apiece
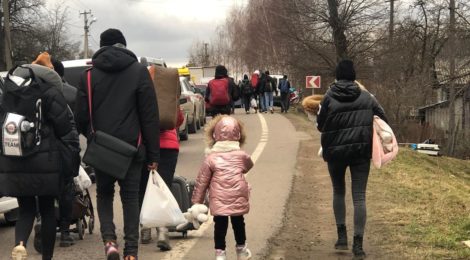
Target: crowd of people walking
point(115, 104)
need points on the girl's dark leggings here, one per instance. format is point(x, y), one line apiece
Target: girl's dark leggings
point(221, 226)
point(27, 214)
point(359, 175)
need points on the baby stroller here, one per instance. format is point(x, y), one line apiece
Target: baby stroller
point(83, 214)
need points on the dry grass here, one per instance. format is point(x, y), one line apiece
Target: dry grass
point(419, 206)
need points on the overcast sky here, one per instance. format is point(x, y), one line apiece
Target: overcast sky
point(156, 28)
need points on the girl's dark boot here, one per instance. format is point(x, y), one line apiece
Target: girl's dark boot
point(357, 248)
point(342, 242)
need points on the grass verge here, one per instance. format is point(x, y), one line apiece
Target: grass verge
point(421, 205)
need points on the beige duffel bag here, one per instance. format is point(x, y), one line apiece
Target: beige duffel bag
point(167, 87)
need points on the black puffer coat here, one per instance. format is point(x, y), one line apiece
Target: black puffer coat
point(40, 174)
point(345, 121)
point(124, 101)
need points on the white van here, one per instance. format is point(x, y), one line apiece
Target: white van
point(73, 69)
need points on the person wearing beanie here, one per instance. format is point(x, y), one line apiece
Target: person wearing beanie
point(247, 92)
point(220, 92)
point(345, 120)
point(124, 106)
point(284, 88)
point(67, 194)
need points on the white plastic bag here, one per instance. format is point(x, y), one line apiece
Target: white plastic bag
point(159, 208)
point(253, 103)
point(83, 181)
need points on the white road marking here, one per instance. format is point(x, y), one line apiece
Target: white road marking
point(181, 249)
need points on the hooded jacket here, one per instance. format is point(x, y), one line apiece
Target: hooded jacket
point(223, 172)
point(345, 120)
point(245, 87)
point(124, 101)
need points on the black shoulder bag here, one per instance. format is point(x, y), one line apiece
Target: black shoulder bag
point(105, 152)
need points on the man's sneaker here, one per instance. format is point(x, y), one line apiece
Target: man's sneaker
point(220, 254)
point(66, 240)
point(145, 235)
point(243, 253)
point(163, 241)
point(19, 252)
point(272, 111)
point(111, 250)
point(130, 257)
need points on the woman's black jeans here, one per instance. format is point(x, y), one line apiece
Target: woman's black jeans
point(247, 102)
point(359, 175)
point(220, 230)
point(27, 213)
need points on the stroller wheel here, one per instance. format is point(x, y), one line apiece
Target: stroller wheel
point(91, 225)
point(81, 229)
point(37, 238)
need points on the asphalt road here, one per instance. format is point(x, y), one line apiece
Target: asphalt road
point(273, 143)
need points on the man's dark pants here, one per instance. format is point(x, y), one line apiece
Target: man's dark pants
point(284, 101)
point(129, 192)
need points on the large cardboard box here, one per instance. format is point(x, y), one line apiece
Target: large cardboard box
point(167, 87)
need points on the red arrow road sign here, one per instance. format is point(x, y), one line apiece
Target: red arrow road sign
point(313, 82)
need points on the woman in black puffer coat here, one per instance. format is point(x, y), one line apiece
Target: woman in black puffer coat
point(40, 174)
point(345, 120)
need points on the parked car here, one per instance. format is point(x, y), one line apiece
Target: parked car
point(200, 96)
point(9, 209)
point(183, 129)
point(197, 115)
point(2, 74)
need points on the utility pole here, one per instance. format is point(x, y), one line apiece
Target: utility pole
point(206, 55)
point(7, 30)
point(87, 28)
point(452, 127)
point(392, 23)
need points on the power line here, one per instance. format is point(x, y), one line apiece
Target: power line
point(81, 3)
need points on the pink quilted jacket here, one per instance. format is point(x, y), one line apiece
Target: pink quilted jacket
point(223, 173)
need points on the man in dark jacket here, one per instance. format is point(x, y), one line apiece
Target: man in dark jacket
point(220, 82)
point(246, 91)
point(284, 87)
point(68, 192)
point(124, 106)
point(345, 119)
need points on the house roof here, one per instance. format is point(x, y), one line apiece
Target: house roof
point(438, 104)
point(462, 73)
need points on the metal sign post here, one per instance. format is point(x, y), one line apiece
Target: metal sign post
point(313, 82)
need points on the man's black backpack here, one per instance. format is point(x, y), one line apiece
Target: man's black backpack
point(246, 88)
point(235, 91)
point(21, 114)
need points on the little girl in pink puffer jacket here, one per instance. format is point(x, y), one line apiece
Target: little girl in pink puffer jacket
point(223, 174)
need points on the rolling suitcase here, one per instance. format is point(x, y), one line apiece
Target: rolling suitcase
point(183, 191)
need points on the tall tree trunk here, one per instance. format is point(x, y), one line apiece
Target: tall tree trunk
point(452, 126)
point(6, 34)
point(339, 36)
